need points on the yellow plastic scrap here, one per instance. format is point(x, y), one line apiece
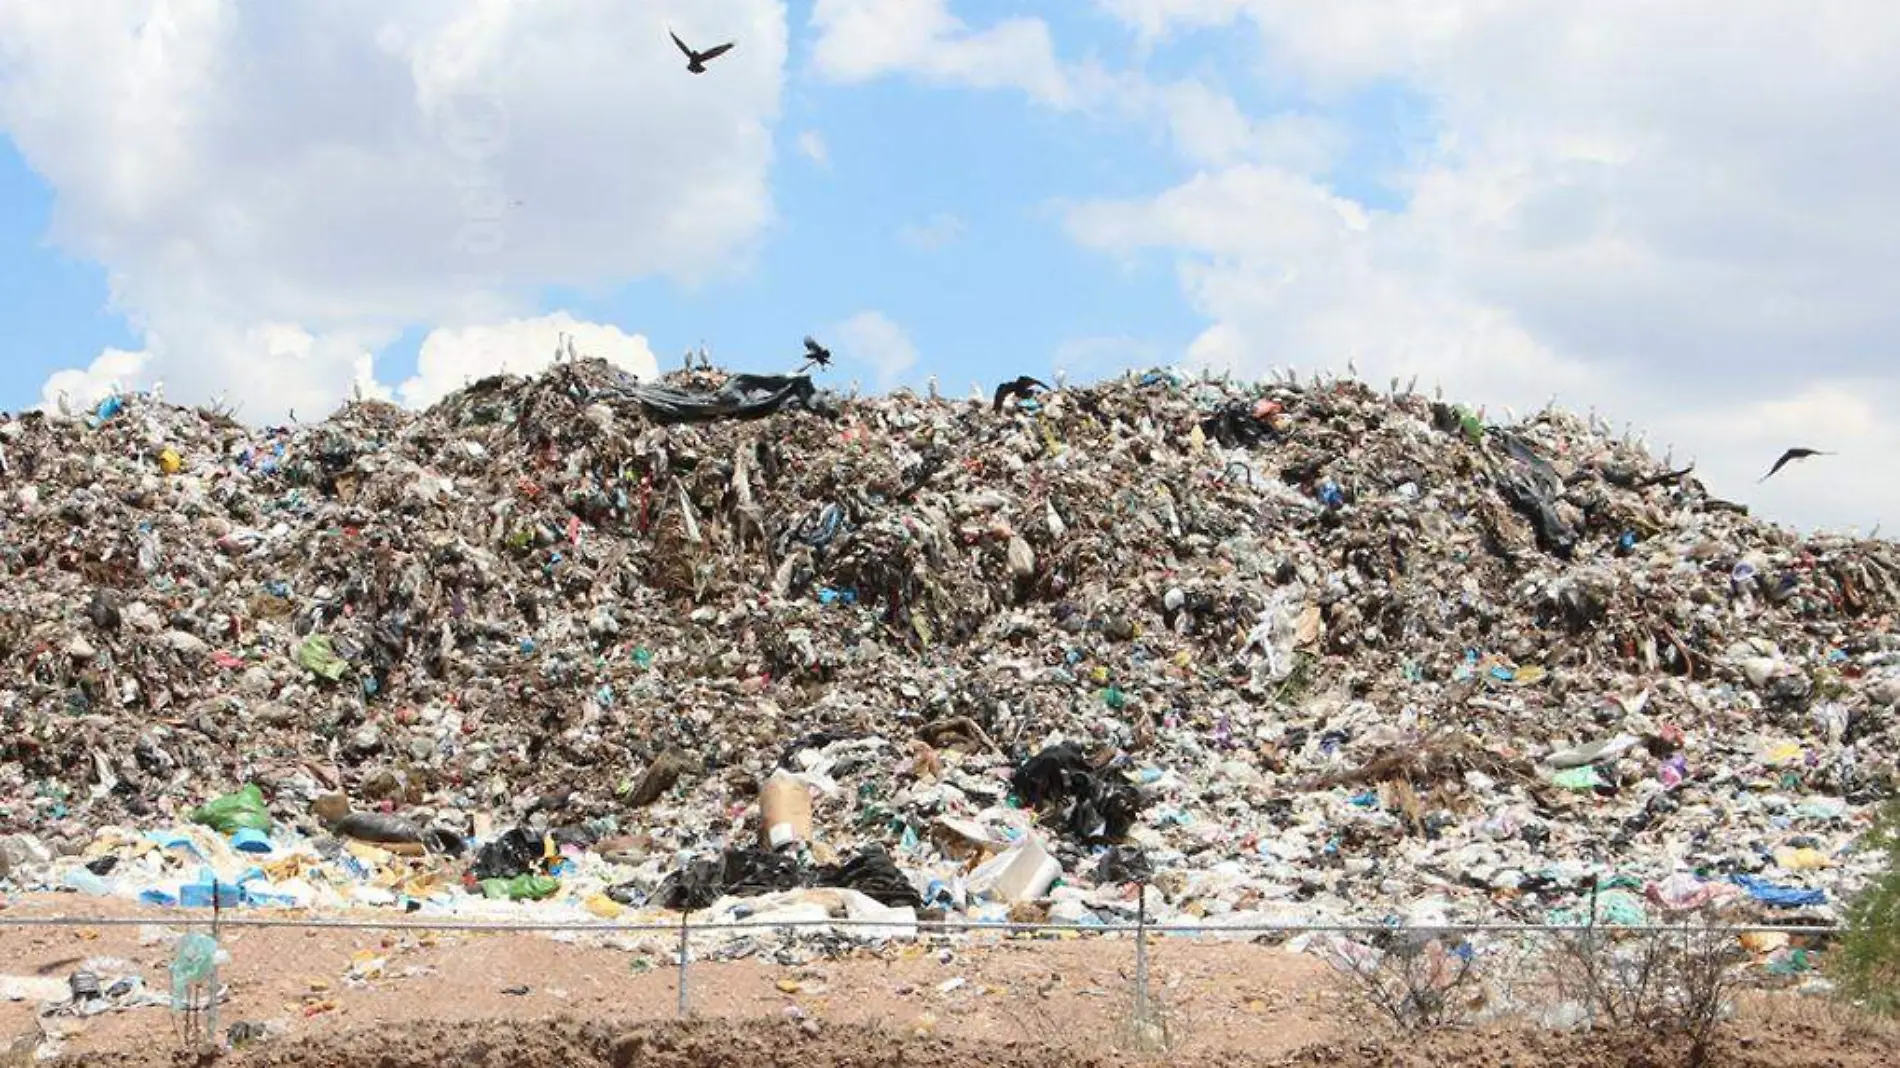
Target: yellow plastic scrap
point(605, 907)
point(1802, 859)
point(1781, 753)
point(1530, 675)
point(170, 462)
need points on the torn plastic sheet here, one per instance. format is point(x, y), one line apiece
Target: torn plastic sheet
point(743, 396)
point(755, 872)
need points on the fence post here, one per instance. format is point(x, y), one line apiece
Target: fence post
point(1590, 946)
point(1141, 957)
point(684, 1008)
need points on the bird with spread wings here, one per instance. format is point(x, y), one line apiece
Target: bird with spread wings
point(696, 61)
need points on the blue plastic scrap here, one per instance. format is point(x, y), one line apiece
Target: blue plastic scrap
point(1781, 897)
point(108, 408)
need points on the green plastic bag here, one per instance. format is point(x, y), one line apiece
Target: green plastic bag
point(235, 812)
point(318, 656)
point(521, 888)
point(1583, 778)
point(196, 962)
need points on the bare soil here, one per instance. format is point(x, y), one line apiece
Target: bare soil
point(365, 999)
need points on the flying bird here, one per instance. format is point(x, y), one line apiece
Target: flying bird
point(696, 61)
point(1789, 457)
point(816, 353)
point(1017, 387)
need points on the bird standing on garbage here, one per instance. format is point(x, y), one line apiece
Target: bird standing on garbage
point(1789, 457)
point(816, 353)
point(1021, 386)
point(696, 61)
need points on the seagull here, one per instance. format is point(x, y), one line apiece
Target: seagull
point(816, 353)
point(1017, 387)
point(696, 61)
point(1789, 457)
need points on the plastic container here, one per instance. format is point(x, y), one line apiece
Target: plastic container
point(1024, 873)
point(785, 809)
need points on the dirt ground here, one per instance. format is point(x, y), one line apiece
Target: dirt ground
point(401, 999)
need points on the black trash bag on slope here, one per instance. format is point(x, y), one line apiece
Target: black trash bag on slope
point(514, 853)
point(874, 874)
point(1092, 805)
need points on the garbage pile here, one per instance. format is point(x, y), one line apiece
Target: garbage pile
point(1273, 652)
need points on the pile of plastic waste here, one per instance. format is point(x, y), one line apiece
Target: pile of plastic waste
point(1276, 652)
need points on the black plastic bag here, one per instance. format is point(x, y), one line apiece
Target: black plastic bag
point(378, 828)
point(872, 873)
point(1123, 864)
point(1091, 805)
point(738, 872)
point(514, 853)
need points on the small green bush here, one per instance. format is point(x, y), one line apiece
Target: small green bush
point(1867, 965)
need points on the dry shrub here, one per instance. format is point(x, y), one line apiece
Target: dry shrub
point(1667, 983)
point(1410, 982)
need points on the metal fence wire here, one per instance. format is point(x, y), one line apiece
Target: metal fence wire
point(1508, 969)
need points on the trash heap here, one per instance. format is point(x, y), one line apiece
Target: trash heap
point(1277, 652)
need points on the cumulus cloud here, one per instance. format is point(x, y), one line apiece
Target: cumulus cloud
point(811, 145)
point(452, 358)
point(872, 340)
point(1687, 229)
point(939, 231)
point(78, 388)
point(861, 40)
point(347, 168)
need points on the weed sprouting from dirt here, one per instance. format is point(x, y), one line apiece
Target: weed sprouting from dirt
point(1867, 964)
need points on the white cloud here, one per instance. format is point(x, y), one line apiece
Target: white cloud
point(872, 340)
point(1207, 128)
point(348, 168)
point(450, 359)
point(940, 231)
point(862, 40)
point(1684, 228)
point(811, 145)
point(1155, 19)
point(111, 372)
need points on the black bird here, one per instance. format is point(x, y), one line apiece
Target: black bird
point(1018, 387)
point(1789, 457)
point(696, 61)
point(816, 353)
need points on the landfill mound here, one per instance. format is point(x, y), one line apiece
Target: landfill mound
point(1277, 650)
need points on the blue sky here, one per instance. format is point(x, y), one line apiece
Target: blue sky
point(1515, 203)
point(1000, 289)
point(57, 310)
